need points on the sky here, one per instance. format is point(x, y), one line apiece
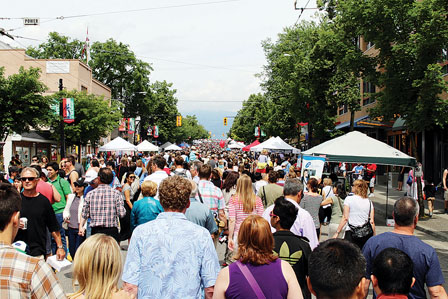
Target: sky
point(209, 49)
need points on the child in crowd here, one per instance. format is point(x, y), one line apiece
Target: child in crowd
point(430, 194)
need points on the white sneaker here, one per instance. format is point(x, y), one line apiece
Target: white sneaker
point(371, 195)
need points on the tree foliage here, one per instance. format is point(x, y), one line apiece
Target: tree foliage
point(95, 117)
point(409, 36)
point(190, 130)
point(22, 104)
point(311, 70)
point(255, 111)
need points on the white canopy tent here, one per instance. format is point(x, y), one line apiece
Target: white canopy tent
point(147, 146)
point(236, 145)
point(165, 145)
point(118, 144)
point(356, 147)
point(274, 143)
point(173, 147)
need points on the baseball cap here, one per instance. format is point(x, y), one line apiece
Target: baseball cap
point(90, 176)
point(80, 182)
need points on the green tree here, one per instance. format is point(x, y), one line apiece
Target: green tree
point(190, 130)
point(310, 72)
point(409, 37)
point(113, 63)
point(162, 110)
point(57, 46)
point(94, 117)
point(22, 104)
point(255, 111)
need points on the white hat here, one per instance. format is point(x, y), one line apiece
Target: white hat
point(90, 176)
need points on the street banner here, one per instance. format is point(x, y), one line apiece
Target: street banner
point(55, 107)
point(122, 126)
point(312, 167)
point(131, 125)
point(257, 131)
point(150, 131)
point(68, 110)
point(156, 132)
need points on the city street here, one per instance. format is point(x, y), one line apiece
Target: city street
point(432, 231)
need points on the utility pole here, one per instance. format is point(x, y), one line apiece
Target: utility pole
point(61, 122)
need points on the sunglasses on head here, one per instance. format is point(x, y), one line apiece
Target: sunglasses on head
point(28, 179)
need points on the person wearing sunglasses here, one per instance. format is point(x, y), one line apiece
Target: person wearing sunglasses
point(37, 209)
point(35, 160)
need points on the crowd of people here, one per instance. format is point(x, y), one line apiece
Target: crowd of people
point(170, 211)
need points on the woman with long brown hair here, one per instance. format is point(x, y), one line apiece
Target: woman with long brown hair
point(241, 205)
point(271, 277)
point(358, 212)
point(311, 202)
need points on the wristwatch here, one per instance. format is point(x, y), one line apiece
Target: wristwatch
point(61, 247)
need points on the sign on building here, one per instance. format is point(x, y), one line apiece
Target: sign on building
point(58, 67)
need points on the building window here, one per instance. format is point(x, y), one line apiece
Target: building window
point(83, 88)
point(367, 87)
point(368, 101)
point(342, 109)
point(369, 45)
point(444, 55)
point(445, 69)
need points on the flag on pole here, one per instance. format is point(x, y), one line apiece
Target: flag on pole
point(86, 49)
point(156, 132)
point(122, 126)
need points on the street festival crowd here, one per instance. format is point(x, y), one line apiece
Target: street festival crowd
point(173, 209)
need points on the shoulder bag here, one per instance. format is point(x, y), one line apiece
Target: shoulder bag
point(251, 280)
point(359, 232)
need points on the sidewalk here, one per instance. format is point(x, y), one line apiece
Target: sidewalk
point(437, 226)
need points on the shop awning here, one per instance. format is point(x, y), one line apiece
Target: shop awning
point(399, 124)
point(347, 123)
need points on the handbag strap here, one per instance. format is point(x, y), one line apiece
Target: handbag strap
point(250, 278)
point(340, 204)
point(200, 197)
point(264, 197)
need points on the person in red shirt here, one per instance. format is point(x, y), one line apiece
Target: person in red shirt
point(369, 177)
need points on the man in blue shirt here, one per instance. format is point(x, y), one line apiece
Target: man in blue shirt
point(171, 257)
point(199, 213)
point(426, 263)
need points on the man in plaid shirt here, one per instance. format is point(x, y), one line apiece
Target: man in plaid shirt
point(21, 276)
point(103, 206)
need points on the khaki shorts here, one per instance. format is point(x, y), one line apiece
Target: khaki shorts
point(445, 195)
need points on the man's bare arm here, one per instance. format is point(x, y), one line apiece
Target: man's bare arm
point(437, 292)
point(209, 292)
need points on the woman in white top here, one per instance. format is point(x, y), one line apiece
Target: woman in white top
point(357, 209)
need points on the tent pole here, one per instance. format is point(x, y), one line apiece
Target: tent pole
point(387, 195)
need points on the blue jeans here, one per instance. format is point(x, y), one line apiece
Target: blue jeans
point(60, 219)
point(74, 240)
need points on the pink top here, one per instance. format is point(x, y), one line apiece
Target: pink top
point(46, 189)
point(236, 210)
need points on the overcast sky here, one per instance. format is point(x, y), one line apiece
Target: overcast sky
point(209, 49)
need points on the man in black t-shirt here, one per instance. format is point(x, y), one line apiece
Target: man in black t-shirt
point(291, 248)
point(37, 209)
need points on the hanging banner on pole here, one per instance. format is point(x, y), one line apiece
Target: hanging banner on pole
point(156, 132)
point(131, 125)
point(68, 110)
point(122, 126)
point(150, 131)
point(313, 166)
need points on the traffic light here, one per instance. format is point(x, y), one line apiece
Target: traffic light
point(225, 121)
point(178, 121)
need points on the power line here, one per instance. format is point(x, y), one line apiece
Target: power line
point(125, 11)
point(301, 11)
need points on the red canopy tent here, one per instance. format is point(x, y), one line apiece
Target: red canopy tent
point(247, 147)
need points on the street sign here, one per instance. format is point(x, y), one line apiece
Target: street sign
point(31, 21)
